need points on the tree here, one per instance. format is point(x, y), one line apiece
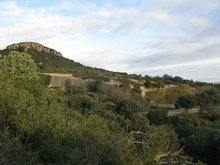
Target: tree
point(156, 96)
point(148, 83)
point(168, 77)
point(208, 100)
point(137, 89)
point(173, 93)
point(131, 106)
point(159, 84)
point(20, 66)
point(187, 101)
point(178, 80)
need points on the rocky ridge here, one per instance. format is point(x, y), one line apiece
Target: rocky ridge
point(25, 46)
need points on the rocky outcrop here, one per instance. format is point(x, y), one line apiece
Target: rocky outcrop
point(25, 46)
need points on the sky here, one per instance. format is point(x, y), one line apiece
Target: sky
point(148, 37)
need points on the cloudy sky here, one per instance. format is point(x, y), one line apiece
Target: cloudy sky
point(153, 37)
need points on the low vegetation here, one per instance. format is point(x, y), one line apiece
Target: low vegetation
point(97, 123)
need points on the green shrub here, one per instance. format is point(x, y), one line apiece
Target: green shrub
point(157, 117)
point(95, 86)
point(45, 79)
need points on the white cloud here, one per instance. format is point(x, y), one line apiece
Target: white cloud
point(10, 10)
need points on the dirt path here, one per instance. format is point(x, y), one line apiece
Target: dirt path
point(182, 111)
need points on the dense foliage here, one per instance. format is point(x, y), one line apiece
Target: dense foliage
point(78, 126)
point(97, 123)
point(200, 137)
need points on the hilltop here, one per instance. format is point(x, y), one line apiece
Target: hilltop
point(25, 46)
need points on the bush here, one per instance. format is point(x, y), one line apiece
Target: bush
point(137, 89)
point(187, 101)
point(72, 90)
point(45, 79)
point(157, 117)
point(81, 102)
point(95, 86)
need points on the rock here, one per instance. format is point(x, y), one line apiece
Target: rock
point(25, 46)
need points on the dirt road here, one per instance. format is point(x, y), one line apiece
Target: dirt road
point(182, 111)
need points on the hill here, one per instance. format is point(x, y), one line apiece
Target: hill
point(49, 62)
point(52, 61)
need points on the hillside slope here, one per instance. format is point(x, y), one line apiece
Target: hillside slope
point(50, 62)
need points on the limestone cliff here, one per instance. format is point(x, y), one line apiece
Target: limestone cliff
point(33, 45)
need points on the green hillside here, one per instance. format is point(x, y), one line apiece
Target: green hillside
point(49, 63)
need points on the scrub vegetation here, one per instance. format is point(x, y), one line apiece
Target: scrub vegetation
point(95, 123)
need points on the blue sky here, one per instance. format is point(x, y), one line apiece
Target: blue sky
point(176, 37)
